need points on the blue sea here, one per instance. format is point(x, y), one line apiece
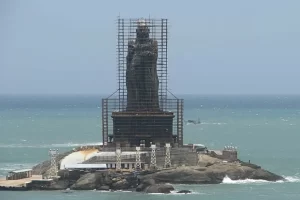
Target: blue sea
point(266, 130)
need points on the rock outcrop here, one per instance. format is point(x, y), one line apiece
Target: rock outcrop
point(104, 181)
point(159, 188)
point(88, 181)
point(213, 174)
point(184, 192)
point(209, 171)
point(149, 186)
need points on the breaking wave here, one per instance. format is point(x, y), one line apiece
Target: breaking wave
point(14, 166)
point(289, 179)
point(227, 180)
point(70, 144)
point(175, 192)
point(214, 123)
point(207, 123)
point(292, 179)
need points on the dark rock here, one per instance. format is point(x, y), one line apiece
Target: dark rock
point(107, 180)
point(104, 187)
point(213, 174)
point(144, 184)
point(148, 185)
point(120, 185)
point(159, 188)
point(132, 181)
point(265, 175)
point(148, 182)
point(184, 191)
point(88, 181)
point(183, 175)
point(58, 185)
point(140, 188)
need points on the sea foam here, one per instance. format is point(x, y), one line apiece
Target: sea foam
point(288, 179)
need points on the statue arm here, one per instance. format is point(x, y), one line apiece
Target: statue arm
point(130, 52)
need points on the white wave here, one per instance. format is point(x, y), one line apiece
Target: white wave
point(288, 179)
point(227, 180)
point(10, 166)
point(189, 124)
point(70, 144)
point(214, 123)
point(103, 191)
point(175, 192)
point(292, 179)
point(76, 144)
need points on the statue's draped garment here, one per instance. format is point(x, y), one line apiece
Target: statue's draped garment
point(141, 73)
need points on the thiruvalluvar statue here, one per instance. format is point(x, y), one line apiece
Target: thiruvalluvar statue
point(141, 71)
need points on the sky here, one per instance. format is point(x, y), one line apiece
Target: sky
point(214, 47)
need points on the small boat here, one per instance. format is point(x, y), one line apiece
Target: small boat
point(193, 121)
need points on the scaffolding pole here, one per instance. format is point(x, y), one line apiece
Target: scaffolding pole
point(168, 156)
point(53, 165)
point(138, 159)
point(153, 157)
point(118, 159)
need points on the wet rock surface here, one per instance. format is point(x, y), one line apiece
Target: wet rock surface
point(149, 186)
point(159, 188)
point(184, 192)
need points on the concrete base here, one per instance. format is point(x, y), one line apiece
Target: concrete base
point(19, 182)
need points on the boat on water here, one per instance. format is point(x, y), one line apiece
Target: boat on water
point(190, 121)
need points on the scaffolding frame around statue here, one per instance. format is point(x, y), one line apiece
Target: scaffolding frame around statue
point(163, 124)
point(127, 33)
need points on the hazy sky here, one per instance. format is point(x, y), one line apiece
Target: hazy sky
point(215, 47)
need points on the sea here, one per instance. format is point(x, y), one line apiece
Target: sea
point(264, 128)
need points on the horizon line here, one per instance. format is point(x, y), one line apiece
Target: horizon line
point(178, 94)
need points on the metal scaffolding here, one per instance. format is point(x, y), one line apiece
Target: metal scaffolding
point(118, 159)
point(153, 157)
point(142, 110)
point(53, 164)
point(138, 158)
point(126, 29)
point(168, 156)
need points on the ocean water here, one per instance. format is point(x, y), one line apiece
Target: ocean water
point(266, 130)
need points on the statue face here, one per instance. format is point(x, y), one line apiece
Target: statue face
point(142, 32)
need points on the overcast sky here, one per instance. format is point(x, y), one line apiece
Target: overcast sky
point(215, 47)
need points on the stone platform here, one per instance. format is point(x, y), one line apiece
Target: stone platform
point(19, 182)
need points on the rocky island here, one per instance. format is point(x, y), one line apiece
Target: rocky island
point(209, 171)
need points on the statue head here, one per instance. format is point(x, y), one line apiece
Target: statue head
point(142, 31)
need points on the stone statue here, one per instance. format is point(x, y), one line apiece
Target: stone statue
point(141, 73)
